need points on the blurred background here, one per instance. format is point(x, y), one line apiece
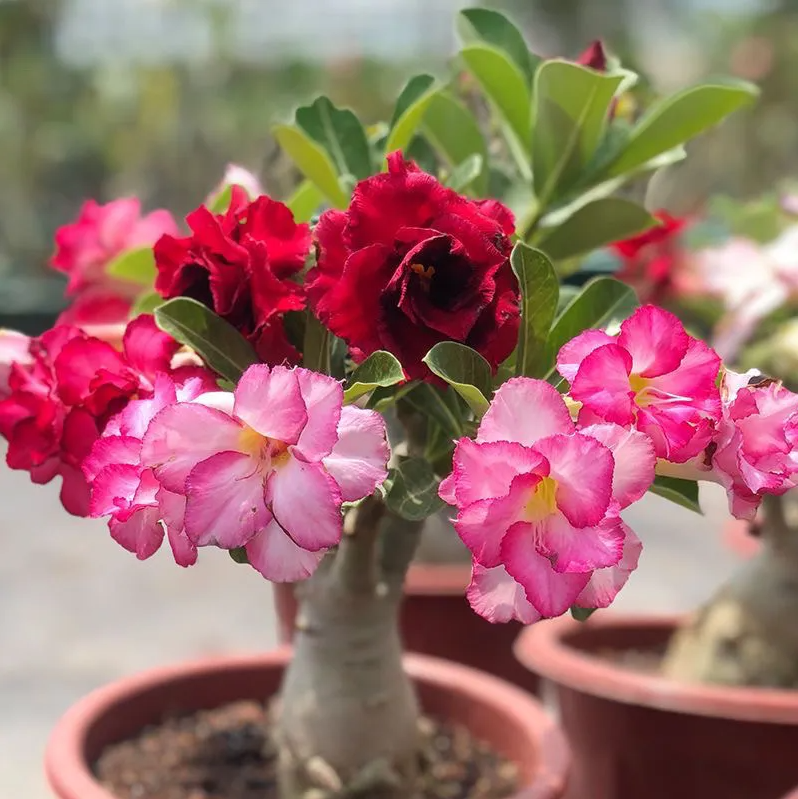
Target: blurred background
point(102, 98)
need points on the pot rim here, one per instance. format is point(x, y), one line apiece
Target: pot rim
point(69, 774)
point(438, 579)
point(544, 648)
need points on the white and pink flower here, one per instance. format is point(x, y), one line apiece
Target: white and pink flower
point(653, 376)
point(538, 505)
point(268, 467)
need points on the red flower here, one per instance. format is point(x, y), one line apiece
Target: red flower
point(650, 258)
point(61, 400)
point(85, 247)
point(594, 56)
point(240, 265)
point(412, 263)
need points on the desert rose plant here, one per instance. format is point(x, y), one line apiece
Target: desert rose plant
point(412, 277)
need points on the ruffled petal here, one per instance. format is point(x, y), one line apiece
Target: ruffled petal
point(280, 559)
point(270, 402)
point(497, 597)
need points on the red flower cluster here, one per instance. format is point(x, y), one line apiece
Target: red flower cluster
point(240, 264)
point(650, 259)
point(412, 263)
point(59, 402)
point(85, 247)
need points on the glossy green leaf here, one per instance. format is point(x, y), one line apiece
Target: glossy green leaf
point(380, 370)
point(409, 111)
point(216, 341)
point(454, 133)
point(492, 27)
point(678, 119)
point(305, 201)
point(682, 492)
point(463, 175)
point(147, 303)
point(340, 133)
point(601, 302)
point(539, 293)
point(571, 112)
point(413, 490)
point(504, 84)
point(315, 345)
point(136, 266)
point(312, 161)
point(432, 402)
point(594, 225)
point(465, 370)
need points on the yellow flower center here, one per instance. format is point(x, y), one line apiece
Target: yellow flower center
point(640, 385)
point(425, 272)
point(252, 443)
point(543, 501)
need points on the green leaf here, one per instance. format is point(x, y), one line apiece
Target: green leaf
point(454, 132)
point(413, 491)
point(491, 27)
point(312, 161)
point(316, 345)
point(339, 131)
point(380, 370)
point(136, 266)
point(602, 301)
point(465, 370)
point(594, 225)
point(505, 85)
point(221, 201)
point(146, 303)
point(463, 175)
point(305, 201)
point(409, 111)
point(571, 114)
point(216, 341)
point(682, 492)
point(582, 614)
point(678, 119)
point(238, 554)
point(430, 401)
point(539, 293)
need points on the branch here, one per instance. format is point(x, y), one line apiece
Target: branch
point(355, 566)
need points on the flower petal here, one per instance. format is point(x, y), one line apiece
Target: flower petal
point(280, 559)
point(140, 534)
point(656, 340)
point(114, 489)
point(571, 549)
point(634, 458)
point(605, 583)
point(524, 410)
point(306, 502)
point(358, 461)
point(497, 597)
point(108, 450)
point(225, 505)
point(323, 397)
point(270, 402)
point(602, 384)
point(573, 352)
point(173, 511)
point(183, 435)
point(550, 592)
point(582, 468)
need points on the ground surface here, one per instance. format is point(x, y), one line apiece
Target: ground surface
point(77, 611)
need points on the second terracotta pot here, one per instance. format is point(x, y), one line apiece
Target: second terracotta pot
point(437, 620)
point(511, 721)
point(637, 735)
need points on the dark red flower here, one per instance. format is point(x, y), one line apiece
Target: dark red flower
point(240, 265)
point(61, 399)
point(594, 56)
point(412, 263)
point(650, 258)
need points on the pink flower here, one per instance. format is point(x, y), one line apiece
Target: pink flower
point(538, 503)
point(653, 376)
point(85, 247)
point(269, 467)
point(14, 348)
point(138, 507)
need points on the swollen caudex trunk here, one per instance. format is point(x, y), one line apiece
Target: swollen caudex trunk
point(347, 716)
point(747, 633)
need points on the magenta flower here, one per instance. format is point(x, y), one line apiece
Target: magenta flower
point(138, 507)
point(538, 503)
point(268, 467)
point(14, 348)
point(652, 376)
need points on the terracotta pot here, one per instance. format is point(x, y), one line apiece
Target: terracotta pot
point(437, 620)
point(513, 722)
point(637, 735)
